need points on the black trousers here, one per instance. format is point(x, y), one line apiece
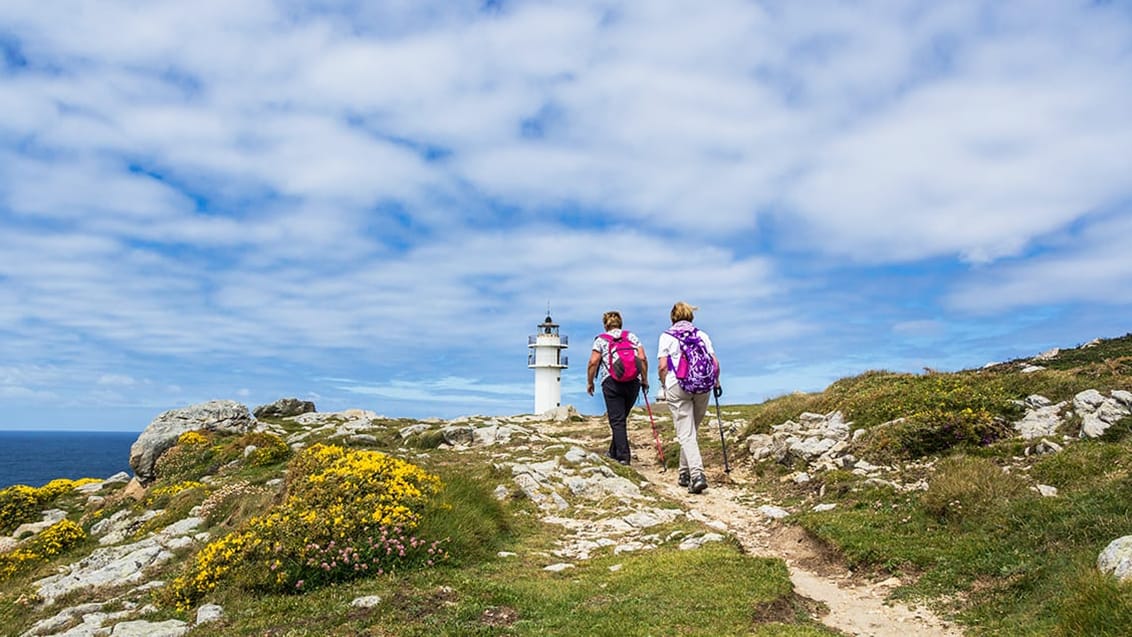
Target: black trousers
point(619, 400)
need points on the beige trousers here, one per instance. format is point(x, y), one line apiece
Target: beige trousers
point(688, 412)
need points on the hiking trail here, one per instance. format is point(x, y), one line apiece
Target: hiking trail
point(842, 600)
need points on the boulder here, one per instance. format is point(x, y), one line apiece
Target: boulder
point(1116, 559)
point(224, 416)
point(284, 408)
point(1042, 418)
point(1098, 412)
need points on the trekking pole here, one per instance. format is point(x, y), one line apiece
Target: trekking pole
point(716, 392)
point(655, 433)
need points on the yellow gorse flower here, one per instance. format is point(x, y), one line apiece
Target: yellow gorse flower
point(344, 510)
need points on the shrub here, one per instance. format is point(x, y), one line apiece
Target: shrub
point(164, 492)
point(234, 503)
point(347, 513)
point(192, 457)
point(50, 542)
point(934, 431)
point(964, 487)
point(269, 448)
point(20, 503)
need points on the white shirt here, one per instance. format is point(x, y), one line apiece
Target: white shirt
point(669, 347)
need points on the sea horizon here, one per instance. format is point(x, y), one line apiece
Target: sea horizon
point(34, 457)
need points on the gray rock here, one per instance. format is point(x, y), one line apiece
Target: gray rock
point(459, 435)
point(1097, 412)
point(142, 628)
point(1122, 397)
point(117, 565)
point(773, 512)
point(284, 408)
point(209, 613)
point(1116, 559)
point(412, 430)
point(696, 542)
point(50, 517)
point(224, 416)
point(367, 601)
point(1041, 418)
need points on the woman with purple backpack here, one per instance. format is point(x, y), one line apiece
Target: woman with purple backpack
point(621, 356)
point(688, 371)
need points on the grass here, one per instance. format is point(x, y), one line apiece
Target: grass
point(711, 591)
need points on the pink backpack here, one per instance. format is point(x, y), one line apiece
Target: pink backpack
point(622, 364)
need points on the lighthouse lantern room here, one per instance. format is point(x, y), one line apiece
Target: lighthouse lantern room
point(547, 359)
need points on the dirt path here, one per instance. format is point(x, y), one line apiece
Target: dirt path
point(854, 607)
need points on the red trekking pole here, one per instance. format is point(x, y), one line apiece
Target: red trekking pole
point(655, 433)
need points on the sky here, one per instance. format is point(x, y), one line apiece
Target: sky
point(373, 204)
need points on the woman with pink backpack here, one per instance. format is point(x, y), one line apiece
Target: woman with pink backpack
point(620, 355)
point(688, 371)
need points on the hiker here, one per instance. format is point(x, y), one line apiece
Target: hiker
point(619, 354)
point(688, 371)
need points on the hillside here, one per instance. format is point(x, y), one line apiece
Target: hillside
point(974, 502)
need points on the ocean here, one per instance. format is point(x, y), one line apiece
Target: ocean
point(35, 458)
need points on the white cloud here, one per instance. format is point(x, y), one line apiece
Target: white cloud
point(1095, 268)
point(314, 185)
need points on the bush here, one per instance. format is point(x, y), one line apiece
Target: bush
point(192, 457)
point(934, 431)
point(50, 542)
point(20, 503)
point(347, 513)
point(964, 487)
point(234, 503)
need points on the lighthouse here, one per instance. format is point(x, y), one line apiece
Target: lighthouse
point(546, 358)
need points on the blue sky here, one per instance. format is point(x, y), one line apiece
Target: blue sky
point(370, 204)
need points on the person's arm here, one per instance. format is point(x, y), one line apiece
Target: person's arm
point(662, 369)
point(644, 359)
point(591, 371)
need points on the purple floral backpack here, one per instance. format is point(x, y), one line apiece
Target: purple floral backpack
point(696, 372)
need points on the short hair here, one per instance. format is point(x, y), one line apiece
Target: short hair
point(611, 320)
point(683, 312)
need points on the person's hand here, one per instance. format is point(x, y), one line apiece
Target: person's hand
point(645, 387)
point(590, 388)
point(717, 390)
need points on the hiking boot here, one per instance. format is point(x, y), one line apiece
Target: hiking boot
point(699, 483)
point(684, 479)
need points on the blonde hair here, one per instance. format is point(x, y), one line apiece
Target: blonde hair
point(683, 312)
point(611, 320)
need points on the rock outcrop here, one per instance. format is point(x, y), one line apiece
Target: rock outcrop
point(1116, 559)
point(1099, 412)
point(284, 408)
point(224, 416)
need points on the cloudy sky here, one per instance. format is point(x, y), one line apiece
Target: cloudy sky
point(371, 204)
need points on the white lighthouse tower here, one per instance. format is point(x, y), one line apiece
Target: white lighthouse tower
point(547, 360)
